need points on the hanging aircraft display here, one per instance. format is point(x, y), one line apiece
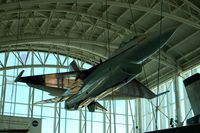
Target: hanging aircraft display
point(111, 79)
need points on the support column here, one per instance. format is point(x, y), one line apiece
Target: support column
point(114, 115)
point(55, 117)
point(126, 112)
point(107, 117)
point(110, 115)
point(134, 120)
point(177, 101)
point(91, 122)
point(80, 120)
point(31, 92)
point(83, 121)
point(57, 110)
point(169, 97)
point(138, 116)
point(66, 118)
point(3, 93)
point(104, 118)
point(57, 113)
point(3, 89)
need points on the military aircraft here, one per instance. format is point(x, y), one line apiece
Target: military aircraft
point(111, 79)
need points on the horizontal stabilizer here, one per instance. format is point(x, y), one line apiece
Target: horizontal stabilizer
point(133, 89)
point(19, 76)
point(162, 93)
point(192, 87)
point(56, 84)
point(95, 106)
point(51, 90)
point(52, 100)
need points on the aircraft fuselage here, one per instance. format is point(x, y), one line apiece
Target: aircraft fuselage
point(83, 88)
point(118, 69)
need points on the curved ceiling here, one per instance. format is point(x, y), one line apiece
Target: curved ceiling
point(92, 29)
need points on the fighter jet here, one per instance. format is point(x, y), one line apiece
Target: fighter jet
point(111, 79)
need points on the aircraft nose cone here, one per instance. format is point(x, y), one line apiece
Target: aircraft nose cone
point(156, 42)
point(164, 37)
point(168, 33)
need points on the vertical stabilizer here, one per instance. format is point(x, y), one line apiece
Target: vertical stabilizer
point(19, 76)
point(192, 86)
point(95, 106)
point(74, 66)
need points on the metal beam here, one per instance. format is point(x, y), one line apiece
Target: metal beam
point(60, 39)
point(164, 62)
point(85, 14)
point(111, 3)
point(87, 57)
point(196, 8)
point(168, 60)
point(189, 54)
point(182, 41)
point(156, 12)
point(95, 50)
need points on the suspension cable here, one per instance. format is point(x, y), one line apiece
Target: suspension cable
point(13, 87)
point(131, 114)
point(158, 107)
point(107, 27)
point(132, 17)
point(187, 115)
point(18, 24)
point(145, 75)
point(158, 81)
point(135, 30)
point(12, 100)
point(147, 84)
point(108, 53)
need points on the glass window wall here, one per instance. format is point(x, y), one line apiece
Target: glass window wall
point(123, 116)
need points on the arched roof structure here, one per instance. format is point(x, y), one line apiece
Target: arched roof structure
point(91, 30)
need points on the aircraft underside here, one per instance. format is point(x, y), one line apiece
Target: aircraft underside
point(109, 80)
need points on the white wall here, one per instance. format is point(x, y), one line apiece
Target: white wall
point(12, 122)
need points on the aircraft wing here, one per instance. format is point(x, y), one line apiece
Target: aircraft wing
point(53, 100)
point(134, 89)
point(57, 84)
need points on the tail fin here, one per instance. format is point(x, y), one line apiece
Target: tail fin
point(53, 100)
point(133, 89)
point(74, 66)
point(162, 93)
point(95, 105)
point(19, 76)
